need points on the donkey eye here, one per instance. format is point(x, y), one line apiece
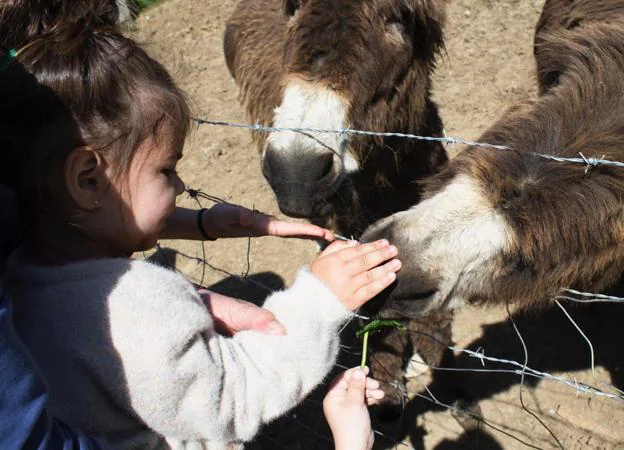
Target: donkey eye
point(394, 25)
point(290, 7)
point(395, 28)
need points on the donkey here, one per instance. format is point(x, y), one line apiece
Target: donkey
point(333, 64)
point(337, 64)
point(500, 226)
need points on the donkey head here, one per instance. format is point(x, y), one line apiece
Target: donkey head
point(452, 245)
point(346, 63)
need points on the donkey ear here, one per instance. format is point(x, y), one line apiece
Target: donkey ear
point(290, 7)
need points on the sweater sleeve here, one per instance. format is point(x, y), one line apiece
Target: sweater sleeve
point(187, 382)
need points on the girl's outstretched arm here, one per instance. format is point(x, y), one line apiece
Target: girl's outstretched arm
point(225, 220)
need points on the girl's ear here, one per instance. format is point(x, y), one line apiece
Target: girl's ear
point(86, 178)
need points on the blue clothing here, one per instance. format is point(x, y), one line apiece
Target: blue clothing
point(24, 422)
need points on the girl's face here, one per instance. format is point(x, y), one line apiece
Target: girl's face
point(147, 193)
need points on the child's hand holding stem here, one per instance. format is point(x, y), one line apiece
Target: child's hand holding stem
point(345, 408)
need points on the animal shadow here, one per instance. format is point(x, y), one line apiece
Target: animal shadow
point(478, 438)
point(553, 344)
point(254, 288)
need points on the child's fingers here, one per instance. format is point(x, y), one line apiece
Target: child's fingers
point(340, 383)
point(357, 386)
point(366, 261)
point(377, 394)
point(362, 249)
point(374, 397)
point(338, 246)
point(368, 291)
point(349, 372)
point(372, 384)
point(271, 226)
point(373, 392)
point(376, 274)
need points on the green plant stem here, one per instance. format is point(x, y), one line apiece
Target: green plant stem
point(364, 351)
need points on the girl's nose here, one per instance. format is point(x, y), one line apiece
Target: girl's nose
point(179, 185)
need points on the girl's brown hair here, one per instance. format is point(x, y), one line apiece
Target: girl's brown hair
point(113, 94)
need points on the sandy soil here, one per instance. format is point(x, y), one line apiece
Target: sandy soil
point(488, 65)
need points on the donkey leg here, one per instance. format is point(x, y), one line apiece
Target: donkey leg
point(387, 364)
point(401, 359)
point(431, 338)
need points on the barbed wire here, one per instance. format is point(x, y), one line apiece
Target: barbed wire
point(522, 374)
point(258, 127)
point(482, 357)
point(589, 162)
point(588, 297)
point(591, 346)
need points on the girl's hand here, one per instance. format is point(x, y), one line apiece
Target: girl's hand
point(345, 409)
point(353, 271)
point(228, 220)
point(232, 315)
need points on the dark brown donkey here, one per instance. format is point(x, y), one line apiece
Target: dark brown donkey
point(333, 64)
point(502, 226)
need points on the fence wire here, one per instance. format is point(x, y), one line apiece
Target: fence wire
point(589, 162)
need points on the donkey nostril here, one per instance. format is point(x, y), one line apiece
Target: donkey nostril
point(326, 165)
point(281, 166)
point(269, 163)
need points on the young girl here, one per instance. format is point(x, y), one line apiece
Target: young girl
point(129, 349)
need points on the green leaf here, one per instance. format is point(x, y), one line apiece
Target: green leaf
point(378, 324)
point(371, 327)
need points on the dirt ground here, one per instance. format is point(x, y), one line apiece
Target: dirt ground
point(487, 66)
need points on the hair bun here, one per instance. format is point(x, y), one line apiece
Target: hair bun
point(24, 20)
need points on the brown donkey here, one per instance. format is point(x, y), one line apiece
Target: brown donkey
point(333, 64)
point(502, 226)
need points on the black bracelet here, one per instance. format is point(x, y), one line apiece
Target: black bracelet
point(200, 225)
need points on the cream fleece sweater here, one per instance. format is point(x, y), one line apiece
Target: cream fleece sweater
point(130, 353)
